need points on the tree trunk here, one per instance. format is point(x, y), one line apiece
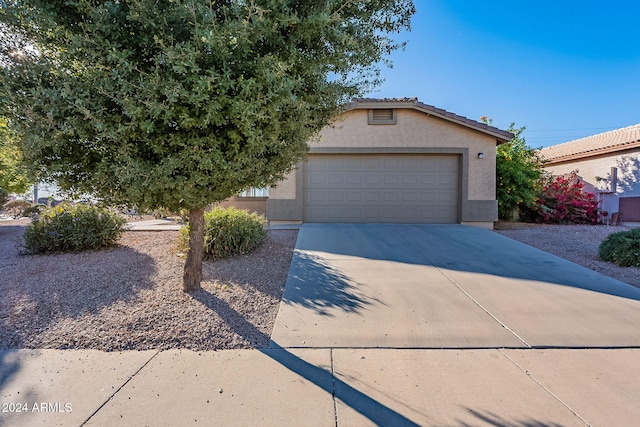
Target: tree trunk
point(193, 266)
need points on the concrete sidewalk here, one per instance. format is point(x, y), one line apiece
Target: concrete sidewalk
point(379, 325)
point(321, 387)
point(154, 225)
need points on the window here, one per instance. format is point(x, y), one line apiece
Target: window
point(255, 192)
point(382, 116)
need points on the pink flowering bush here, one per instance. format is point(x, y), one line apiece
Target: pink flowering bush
point(564, 201)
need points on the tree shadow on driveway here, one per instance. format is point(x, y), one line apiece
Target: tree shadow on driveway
point(315, 285)
point(455, 247)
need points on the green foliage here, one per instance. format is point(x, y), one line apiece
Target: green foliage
point(72, 228)
point(32, 210)
point(518, 170)
point(13, 178)
point(228, 232)
point(181, 103)
point(622, 248)
point(178, 104)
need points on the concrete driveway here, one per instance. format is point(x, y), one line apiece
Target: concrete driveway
point(455, 325)
point(445, 286)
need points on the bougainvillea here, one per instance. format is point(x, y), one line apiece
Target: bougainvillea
point(563, 200)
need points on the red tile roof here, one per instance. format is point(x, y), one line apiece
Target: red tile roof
point(358, 103)
point(607, 142)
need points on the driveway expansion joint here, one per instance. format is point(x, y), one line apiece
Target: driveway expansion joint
point(511, 331)
point(547, 390)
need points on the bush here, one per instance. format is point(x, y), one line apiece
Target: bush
point(622, 248)
point(72, 228)
point(17, 208)
point(4, 197)
point(563, 201)
point(518, 172)
point(33, 210)
point(228, 232)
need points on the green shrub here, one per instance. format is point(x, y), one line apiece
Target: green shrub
point(228, 232)
point(33, 210)
point(72, 228)
point(518, 170)
point(622, 248)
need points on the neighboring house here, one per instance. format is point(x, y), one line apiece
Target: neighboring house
point(42, 193)
point(391, 160)
point(609, 165)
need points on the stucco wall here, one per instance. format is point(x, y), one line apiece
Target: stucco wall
point(590, 169)
point(285, 189)
point(414, 132)
point(416, 129)
point(628, 165)
point(252, 204)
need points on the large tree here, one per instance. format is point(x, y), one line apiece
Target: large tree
point(180, 103)
point(13, 179)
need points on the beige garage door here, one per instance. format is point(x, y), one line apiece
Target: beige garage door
point(382, 188)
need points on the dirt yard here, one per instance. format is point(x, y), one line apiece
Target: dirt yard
point(577, 243)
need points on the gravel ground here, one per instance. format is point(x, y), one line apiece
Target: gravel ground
point(577, 243)
point(129, 297)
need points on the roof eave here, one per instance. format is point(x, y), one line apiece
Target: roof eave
point(593, 153)
point(501, 136)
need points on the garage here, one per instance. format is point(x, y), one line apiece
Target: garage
point(630, 209)
point(416, 188)
point(393, 160)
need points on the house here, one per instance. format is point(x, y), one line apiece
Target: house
point(608, 164)
point(390, 160)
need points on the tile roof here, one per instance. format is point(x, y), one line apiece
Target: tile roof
point(501, 135)
point(607, 142)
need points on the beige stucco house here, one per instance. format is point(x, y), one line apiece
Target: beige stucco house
point(608, 164)
point(391, 160)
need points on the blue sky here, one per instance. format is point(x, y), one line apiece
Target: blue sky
point(565, 69)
